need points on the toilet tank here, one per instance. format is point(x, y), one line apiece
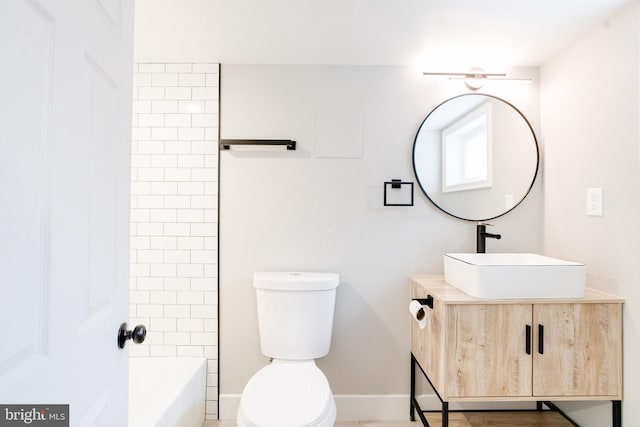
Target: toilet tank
point(295, 313)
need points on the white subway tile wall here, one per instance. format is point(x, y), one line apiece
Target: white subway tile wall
point(174, 214)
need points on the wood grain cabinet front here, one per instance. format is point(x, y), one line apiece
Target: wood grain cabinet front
point(518, 350)
point(486, 354)
point(578, 350)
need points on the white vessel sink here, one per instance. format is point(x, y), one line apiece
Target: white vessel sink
point(514, 276)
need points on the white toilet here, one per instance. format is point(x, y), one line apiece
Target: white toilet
point(295, 318)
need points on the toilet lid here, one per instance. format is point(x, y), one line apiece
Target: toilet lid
point(286, 394)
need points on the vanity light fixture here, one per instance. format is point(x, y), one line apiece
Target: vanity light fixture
point(257, 144)
point(475, 78)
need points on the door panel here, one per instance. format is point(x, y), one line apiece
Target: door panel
point(101, 117)
point(64, 168)
point(111, 10)
point(25, 141)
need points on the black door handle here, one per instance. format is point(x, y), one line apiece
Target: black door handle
point(528, 339)
point(540, 339)
point(137, 335)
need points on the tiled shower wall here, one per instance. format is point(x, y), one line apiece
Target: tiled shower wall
point(174, 214)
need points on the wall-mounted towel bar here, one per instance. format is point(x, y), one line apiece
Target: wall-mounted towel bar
point(257, 144)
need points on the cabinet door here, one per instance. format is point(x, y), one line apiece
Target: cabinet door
point(582, 350)
point(487, 350)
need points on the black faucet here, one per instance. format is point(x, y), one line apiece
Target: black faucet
point(481, 236)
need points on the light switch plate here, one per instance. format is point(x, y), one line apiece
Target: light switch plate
point(594, 202)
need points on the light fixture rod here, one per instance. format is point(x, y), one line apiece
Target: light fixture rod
point(467, 75)
point(523, 79)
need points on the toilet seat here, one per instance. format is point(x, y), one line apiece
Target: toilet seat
point(287, 394)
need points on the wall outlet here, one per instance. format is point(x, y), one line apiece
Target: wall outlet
point(594, 202)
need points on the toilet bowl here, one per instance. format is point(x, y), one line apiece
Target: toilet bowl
point(295, 319)
point(287, 394)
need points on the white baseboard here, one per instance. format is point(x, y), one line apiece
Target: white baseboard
point(383, 407)
point(389, 407)
point(228, 406)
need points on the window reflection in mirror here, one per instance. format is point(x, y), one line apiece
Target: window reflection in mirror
point(466, 151)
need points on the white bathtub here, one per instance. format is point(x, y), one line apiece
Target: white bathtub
point(167, 391)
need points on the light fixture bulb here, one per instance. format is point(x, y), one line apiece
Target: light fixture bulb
point(475, 78)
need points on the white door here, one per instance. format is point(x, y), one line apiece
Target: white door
point(65, 97)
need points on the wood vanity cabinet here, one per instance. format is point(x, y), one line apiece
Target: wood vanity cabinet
point(474, 349)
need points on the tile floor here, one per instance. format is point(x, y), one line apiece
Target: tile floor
point(467, 419)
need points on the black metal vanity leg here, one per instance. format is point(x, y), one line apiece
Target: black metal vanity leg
point(445, 414)
point(412, 409)
point(616, 407)
point(538, 406)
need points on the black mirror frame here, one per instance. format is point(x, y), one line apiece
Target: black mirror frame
point(533, 180)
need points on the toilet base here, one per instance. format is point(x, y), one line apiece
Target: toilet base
point(327, 421)
point(287, 393)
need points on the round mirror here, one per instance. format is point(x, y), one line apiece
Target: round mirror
point(475, 157)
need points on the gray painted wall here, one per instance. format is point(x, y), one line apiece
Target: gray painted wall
point(297, 211)
point(590, 117)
